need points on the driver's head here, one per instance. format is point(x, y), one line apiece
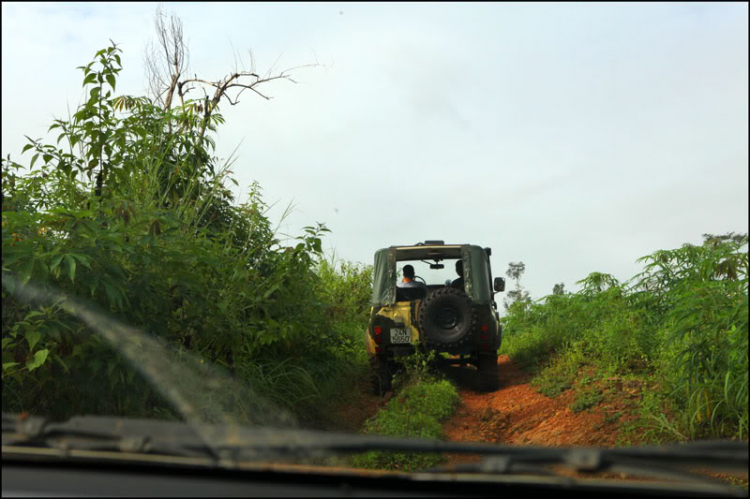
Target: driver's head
point(408, 271)
point(460, 268)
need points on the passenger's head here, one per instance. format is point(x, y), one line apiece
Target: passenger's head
point(460, 267)
point(408, 271)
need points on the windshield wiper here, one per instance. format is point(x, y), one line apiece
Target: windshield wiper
point(662, 462)
point(232, 444)
point(105, 434)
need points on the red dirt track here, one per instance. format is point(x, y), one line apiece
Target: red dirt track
point(517, 414)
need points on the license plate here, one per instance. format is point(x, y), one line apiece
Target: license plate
point(400, 336)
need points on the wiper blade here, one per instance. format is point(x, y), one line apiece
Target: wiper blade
point(80, 434)
point(669, 464)
point(660, 462)
point(232, 444)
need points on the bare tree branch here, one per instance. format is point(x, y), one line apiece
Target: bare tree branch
point(166, 62)
point(166, 65)
point(252, 60)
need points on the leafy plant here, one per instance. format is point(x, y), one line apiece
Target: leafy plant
point(130, 210)
point(683, 320)
point(416, 412)
point(586, 399)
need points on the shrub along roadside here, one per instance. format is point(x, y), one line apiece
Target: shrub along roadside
point(129, 211)
point(417, 411)
point(680, 327)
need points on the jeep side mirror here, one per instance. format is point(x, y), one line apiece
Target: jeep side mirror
point(499, 284)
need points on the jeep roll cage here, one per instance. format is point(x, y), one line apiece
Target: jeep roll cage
point(477, 270)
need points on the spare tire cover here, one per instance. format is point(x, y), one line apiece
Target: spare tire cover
point(446, 317)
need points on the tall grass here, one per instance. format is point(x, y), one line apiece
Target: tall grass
point(682, 322)
point(131, 212)
point(418, 411)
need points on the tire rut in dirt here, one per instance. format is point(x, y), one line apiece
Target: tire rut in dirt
point(483, 379)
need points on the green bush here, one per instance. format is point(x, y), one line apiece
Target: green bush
point(585, 400)
point(683, 320)
point(560, 375)
point(130, 212)
point(417, 412)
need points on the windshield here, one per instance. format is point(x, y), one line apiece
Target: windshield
point(423, 272)
point(233, 231)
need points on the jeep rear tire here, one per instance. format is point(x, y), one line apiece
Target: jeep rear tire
point(382, 377)
point(447, 317)
point(489, 373)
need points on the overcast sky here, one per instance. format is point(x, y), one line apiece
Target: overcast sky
point(572, 137)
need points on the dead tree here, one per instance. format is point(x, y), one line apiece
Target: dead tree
point(167, 62)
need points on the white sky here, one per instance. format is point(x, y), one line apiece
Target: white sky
point(573, 137)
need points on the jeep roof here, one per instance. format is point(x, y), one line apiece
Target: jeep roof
point(476, 268)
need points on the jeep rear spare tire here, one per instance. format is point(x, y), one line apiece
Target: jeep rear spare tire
point(447, 318)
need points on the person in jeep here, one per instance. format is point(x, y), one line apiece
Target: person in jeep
point(459, 283)
point(408, 279)
point(409, 288)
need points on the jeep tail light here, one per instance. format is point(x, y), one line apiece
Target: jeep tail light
point(378, 349)
point(378, 340)
point(377, 330)
point(484, 328)
point(483, 337)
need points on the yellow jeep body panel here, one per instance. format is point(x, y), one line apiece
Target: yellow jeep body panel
point(399, 313)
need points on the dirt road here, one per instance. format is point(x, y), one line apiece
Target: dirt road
point(517, 414)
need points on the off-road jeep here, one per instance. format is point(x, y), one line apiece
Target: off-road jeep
point(441, 316)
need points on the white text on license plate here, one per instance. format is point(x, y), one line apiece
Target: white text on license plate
point(400, 336)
